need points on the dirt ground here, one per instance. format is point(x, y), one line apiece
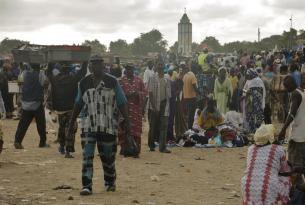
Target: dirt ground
point(188, 176)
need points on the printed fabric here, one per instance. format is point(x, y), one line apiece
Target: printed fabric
point(100, 104)
point(262, 184)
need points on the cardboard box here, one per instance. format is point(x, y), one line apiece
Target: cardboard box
point(13, 87)
point(29, 56)
point(68, 53)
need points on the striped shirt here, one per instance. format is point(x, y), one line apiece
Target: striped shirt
point(161, 90)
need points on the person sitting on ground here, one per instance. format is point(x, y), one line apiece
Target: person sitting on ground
point(262, 183)
point(210, 116)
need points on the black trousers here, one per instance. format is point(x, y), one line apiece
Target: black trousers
point(25, 121)
point(267, 114)
point(191, 107)
point(157, 129)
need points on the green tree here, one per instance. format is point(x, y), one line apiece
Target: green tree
point(301, 37)
point(212, 43)
point(149, 42)
point(290, 37)
point(301, 34)
point(96, 46)
point(6, 45)
point(239, 46)
point(119, 47)
point(196, 47)
point(174, 48)
point(272, 41)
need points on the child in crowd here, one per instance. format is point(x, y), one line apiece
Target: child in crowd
point(197, 121)
point(196, 125)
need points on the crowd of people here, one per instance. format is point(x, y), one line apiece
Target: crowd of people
point(198, 94)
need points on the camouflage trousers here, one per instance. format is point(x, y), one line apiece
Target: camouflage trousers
point(64, 139)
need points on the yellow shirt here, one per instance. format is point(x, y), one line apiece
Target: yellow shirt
point(210, 121)
point(174, 76)
point(189, 80)
point(234, 81)
point(201, 61)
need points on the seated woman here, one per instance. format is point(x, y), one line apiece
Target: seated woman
point(262, 183)
point(210, 116)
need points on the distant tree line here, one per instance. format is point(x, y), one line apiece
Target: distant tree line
point(153, 41)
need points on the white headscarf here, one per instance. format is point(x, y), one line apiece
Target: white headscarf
point(256, 83)
point(264, 134)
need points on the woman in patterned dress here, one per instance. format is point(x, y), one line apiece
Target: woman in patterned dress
point(254, 101)
point(262, 184)
point(135, 92)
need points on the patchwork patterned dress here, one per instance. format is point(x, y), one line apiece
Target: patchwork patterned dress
point(254, 109)
point(135, 106)
point(262, 184)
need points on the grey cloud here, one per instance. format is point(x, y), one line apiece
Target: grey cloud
point(286, 4)
point(107, 16)
point(19, 15)
point(215, 11)
point(98, 17)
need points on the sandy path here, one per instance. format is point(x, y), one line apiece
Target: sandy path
point(29, 176)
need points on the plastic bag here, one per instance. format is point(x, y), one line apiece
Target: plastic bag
point(130, 148)
point(216, 140)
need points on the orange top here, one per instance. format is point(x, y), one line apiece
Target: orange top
point(189, 80)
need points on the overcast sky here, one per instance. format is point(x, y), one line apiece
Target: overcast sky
point(73, 21)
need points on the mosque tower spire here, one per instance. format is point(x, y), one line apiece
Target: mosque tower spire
point(185, 36)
